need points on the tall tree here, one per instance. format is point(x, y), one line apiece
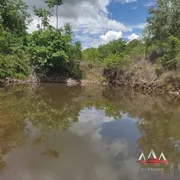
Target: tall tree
point(163, 32)
point(43, 15)
point(55, 4)
point(164, 20)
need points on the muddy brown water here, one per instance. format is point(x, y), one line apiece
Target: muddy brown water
point(56, 132)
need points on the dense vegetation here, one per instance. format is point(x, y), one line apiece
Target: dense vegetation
point(160, 42)
point(115, 53)
point(51, 51)
point(48, 51)
point(162, 34)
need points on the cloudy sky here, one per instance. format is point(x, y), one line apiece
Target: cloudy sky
point(97, 22)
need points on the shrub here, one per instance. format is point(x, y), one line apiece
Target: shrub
point(52, 52)
point(13, 66)
point(114, 60)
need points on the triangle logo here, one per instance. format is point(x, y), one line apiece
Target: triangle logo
point(162, 159)
point(152, 158)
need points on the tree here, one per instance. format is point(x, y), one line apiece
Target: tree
point(132, 44)
point(164, 20)
point(68, 31)
point(48, 51)
point(43, 15)
point(55, 3)
point(14, 16)
point(163, 32)
point(52, 52)
point(13, 25)
point(13, 39)
point(113, 47)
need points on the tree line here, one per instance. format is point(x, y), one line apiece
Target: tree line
point(51, 50)
point(48, 50)
point(160, 42)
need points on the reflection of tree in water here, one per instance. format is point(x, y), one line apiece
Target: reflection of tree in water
point(47, 108)
point(53, 108)
point(157, 133)
point(109, 108)
point(51, 152)
point(60, 107)
point(160, 126)
point(3, 165)
point(11, 123)
point(158, 123)
point(21, 105)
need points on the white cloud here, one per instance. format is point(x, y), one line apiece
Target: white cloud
point(111, 35)
point(90, 125)
point(125, 1)
point(134, 8)
point(89, 19)
point(84, 150)
point(138, 26)
point(150, 4)
point(89, 15)
point(88, 41)
point(133, 36)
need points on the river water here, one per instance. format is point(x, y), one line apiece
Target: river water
point(56, 132)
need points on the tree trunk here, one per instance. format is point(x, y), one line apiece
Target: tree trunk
point(57, 17)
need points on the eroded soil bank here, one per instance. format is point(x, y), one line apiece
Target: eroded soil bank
point(144, 76)
point(141, 75)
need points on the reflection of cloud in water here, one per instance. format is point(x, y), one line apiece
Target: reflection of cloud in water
point(85, 153)
point(91, 124)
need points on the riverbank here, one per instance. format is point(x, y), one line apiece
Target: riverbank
point(57, 80)
point(143, 75)
point(140, 76)
point(91, 76)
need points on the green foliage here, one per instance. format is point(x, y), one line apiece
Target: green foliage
point(14, 16)
point(170, 58)
point(43, 15)
point(11, 43)
point(163, 33)
point(115, 60)
point(48, 51)
point(136, 50)
point(116, 53)
point(13, 39)
point(55, 3)
point(13, 66)
point(113, 47)
point(92, 55)
point(132, 44)
point(53, 53)
point(52, 3)
point(164, 20)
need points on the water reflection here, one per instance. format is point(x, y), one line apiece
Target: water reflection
point(59, 132)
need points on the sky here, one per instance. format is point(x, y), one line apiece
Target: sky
point(96, 22)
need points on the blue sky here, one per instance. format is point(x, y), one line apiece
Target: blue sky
point(130, 14)
point(133, 13)
point(96, 22)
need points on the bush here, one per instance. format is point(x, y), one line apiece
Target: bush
point(159, 70)
point(113, 61)
point(170, 53)
point(52, 52)
point(14, 67)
